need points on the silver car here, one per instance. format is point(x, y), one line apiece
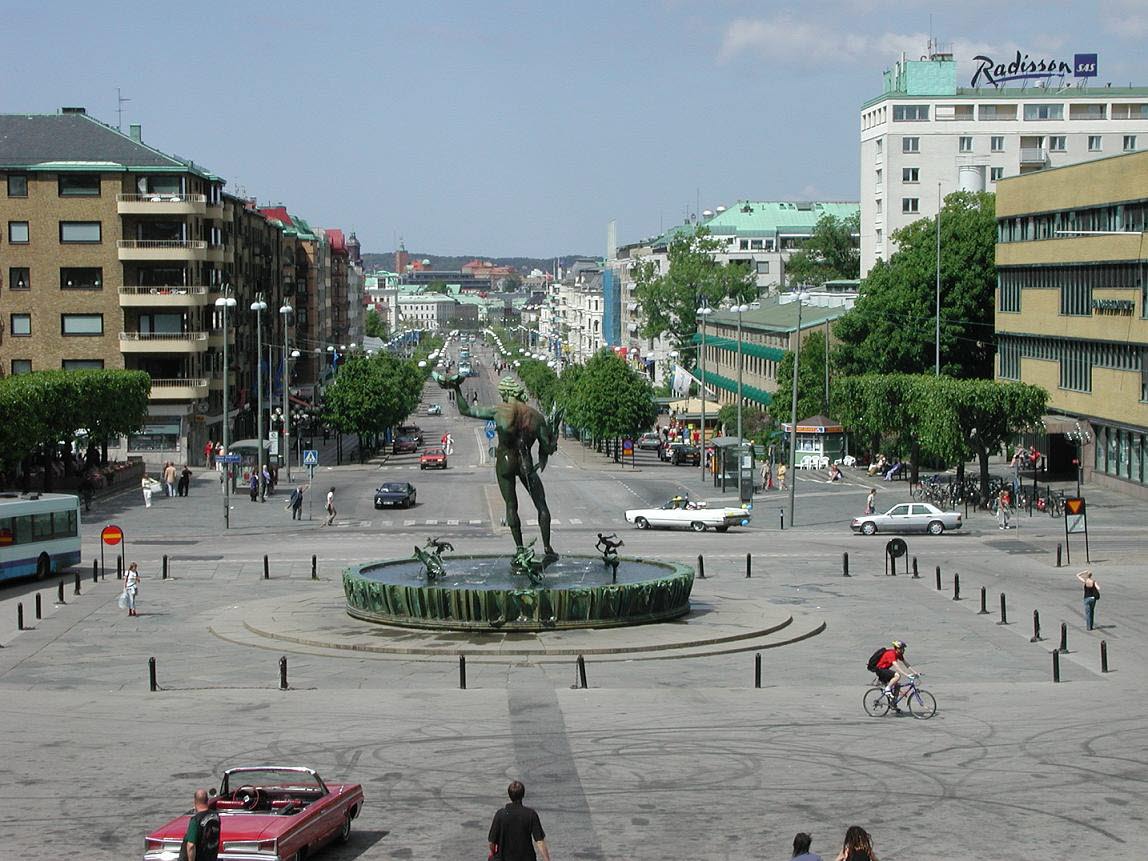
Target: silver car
point(908, 517)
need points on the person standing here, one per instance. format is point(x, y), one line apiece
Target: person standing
point(781, 470)
point(147, 484)
point(131, 588)
point(516, 830)
point(330, 507)
point(871, 501)
point(1003, 501)
point(766, 476)
point(268, 488)
point(169, 479)
point(209, 454)
point(296, 503)
point(1091, 596)
point(201, 842)
point(858, 845)
point(801, 844)
point(184, 481)
point(253, 486)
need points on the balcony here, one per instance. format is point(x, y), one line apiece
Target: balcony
point(163, 297)
point(1034, 155)
point(162, 249)
point(162, 342)
point(166, 204)
point(178, 390)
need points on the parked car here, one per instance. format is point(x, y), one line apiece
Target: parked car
point(404, 443)
point(432, 458)
point(908, 517)
point(650, 441)
point(682, 513)
point(412, 431)
point(684, 453)
point(268, 812)
point(395, 494)
point(434, 410)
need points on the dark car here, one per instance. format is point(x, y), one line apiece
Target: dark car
point(683, 453)
point(395, 494)
point(404, 443)
point(412, 431)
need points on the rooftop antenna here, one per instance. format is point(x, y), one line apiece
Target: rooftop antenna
point(120, 109)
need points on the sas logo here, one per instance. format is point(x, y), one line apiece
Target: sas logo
point(1085, 65)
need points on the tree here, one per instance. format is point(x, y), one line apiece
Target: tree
point(374, 326)
point(891, 327)
point(371, 394)
point(874, 405)
point(438, 287)
point(113, 403)
point(755, 424)
point(810, 381)
point(612, 399)
point(669, 302)
point(540, 380)
point(830, 252)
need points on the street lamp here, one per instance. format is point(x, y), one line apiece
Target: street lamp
point(222, 304)
point(259, 306)
point(799, 299)
point(704, 311)
point(1079, 437)
point(739, 309)
point(286, 310)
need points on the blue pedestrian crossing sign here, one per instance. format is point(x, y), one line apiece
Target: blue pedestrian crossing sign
point(310, 457)
point(489, 429)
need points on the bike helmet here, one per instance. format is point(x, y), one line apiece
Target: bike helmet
point(899, 645)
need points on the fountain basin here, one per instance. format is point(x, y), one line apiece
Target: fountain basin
point(478, 592)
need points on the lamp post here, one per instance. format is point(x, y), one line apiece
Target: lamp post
point(800, 299)
point(937, 334)
point(1079, 437)
point(286, 310)
point(259, 306)
point(740, 309)
point(222, 304)
point(703, 312)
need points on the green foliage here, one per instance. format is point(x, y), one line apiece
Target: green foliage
point(608, 398)
point(374, 325)
point(371, 394)
point(540, 380)
point(437, 287)
point(669, 302)
point(831, 252)
point(810, 381)
point(892, 325)
point(755, 423)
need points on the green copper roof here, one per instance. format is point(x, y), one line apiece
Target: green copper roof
point(773, 218)
point(775, 317)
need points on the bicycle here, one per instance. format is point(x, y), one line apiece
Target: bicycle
point(922, 704)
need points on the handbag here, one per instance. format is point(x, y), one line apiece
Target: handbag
point(122, 601)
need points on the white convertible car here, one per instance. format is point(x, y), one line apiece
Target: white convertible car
point(675, 513)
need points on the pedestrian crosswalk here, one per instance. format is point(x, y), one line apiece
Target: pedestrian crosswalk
point(432, 521)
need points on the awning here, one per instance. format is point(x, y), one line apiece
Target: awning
point(1056, 423)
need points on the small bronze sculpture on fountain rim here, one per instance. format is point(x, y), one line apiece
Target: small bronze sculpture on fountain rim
point(432, 559)
point(608, 545)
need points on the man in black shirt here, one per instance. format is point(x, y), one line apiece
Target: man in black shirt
point(201, 843)
point(516, 829)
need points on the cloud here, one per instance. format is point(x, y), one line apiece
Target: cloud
point(1125, 19)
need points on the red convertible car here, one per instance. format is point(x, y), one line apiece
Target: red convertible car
point(269, 813)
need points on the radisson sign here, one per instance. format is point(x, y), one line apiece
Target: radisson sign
point(1024, 68)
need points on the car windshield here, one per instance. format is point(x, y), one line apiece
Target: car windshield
point(393, 488)
point(433, 452)
point(281, 778)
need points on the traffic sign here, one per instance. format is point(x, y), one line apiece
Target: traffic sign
point(310, 457)
point(490, 429)
point(228, 458)
point(1074, 516)
point(112, 535)
point(627, 447)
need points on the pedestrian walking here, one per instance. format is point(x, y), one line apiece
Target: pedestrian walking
point(871, 501)
point(1091, 596)
point(209, 454)
point(1003, 501)
point(781, 470)
point(858, 845)
point(169, 479)
point(184, 481)
point(254, 486)
point(295, 503)
point(267, 488)
point(330, 507)
point(767, 476)
point(801, 844)
point(449, 443)
point(131, 588)
point(516, 830)
point(148, 485)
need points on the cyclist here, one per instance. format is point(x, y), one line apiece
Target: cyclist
point(890, 668)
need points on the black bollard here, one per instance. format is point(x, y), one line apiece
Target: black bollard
point(916, 576)
point(844, 564)
point(39, 607)
point(1063, 638)
point(314, 567)
point(781, 517)
point(283, 673)
point(748, 566)
point(95, 571)
point(1104, 656)
point(19, 616)
point(76, 590)
point(701, 567)
point(956, 587)
point(938, 578)
point(266, 568)
point(164, 577)
point(1004, 615)
point(151, 674)
point(984, 611)
point(1058, 549)
point(1055, 666)
point(1035, 627)
point(60, 594)
point(757, 670)
point(462, 672)
point(119, 568)
point(582, 672)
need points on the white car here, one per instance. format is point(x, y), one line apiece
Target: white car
point(676, 514)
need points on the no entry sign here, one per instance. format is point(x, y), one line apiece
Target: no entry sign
point(112, 534)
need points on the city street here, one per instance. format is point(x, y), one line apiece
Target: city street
point(671, 752)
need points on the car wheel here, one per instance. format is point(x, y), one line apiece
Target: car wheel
point(641, 523)
point(868, 527)
point(722, 528)
point(43, 566)
point(345, 829)
point(698, 526)
point(936, 527)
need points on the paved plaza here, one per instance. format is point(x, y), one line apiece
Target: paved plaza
point(670, 753)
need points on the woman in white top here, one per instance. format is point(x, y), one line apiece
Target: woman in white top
point(131, 587)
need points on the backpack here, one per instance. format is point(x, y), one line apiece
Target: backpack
point(874, 658)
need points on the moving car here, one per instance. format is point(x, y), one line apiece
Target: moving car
point(395, 494)
point(649, 441)
point(404, 443)
point(684, 453)
point(908, 517)
point(269, 812)
point(434, 410)
point(432, 458)
point(682, 513)
point(412, 431)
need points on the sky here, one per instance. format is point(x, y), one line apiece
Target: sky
point(518, 128)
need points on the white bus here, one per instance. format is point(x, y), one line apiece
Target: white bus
point(39, 534)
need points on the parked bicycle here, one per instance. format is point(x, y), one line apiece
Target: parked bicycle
point(922, 704)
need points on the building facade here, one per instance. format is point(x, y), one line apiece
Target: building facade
point(1071, 310)
point(925, 137)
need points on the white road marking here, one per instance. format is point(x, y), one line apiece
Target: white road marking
point(409, 522)
point(452, 523)
point(574, 521)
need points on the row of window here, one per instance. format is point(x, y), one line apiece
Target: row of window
point(1131, 217)
point(68, 185)
point(1055, 143)
point(1031, 112)
point(1075, 284)
point(28, 528)
point(88, 232)
point(75, 325)
point(71, 278)
point(24, 366)
point(1076, 358)
point(1121, 453)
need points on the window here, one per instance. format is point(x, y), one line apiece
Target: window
point(1058, 143)
point(879, 207)
point(996, 112)
point(996, 173)
point(910, 113)
point(1094, 143)
point(910, 174)
point(80, 231)
point(83, 364)
point(880, 236)
point(1130, 112)
point(878, 176)
point(997, 143)
point(910, 144)
point(1009, 290)
point(19, 278)
point(1076, 296)
point(86, 278)
point(763, 267)
point(17, 185)
point(910, 204)
point(966, 143)
point(21, 366)
point(880, 146)
point(21, 325)
point(79, 184)
point(1044, 112)
point(743, 245)
point(81, 324)
point(158, 434)
point(1129, 143)
point(18, 231)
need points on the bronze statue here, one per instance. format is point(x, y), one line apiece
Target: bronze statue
point(430, 554)
point(608, 545)
point(518, 426)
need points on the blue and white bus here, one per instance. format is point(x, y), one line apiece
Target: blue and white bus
point(39, 534)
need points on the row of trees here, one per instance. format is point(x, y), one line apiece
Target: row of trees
point(371, 394)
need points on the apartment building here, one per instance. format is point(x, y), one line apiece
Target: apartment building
point(925, 136)
point(1072, 314)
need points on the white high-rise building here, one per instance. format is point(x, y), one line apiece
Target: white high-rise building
point(924, 130)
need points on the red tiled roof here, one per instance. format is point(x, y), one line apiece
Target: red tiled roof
point(279, 213)
point(337, 239)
